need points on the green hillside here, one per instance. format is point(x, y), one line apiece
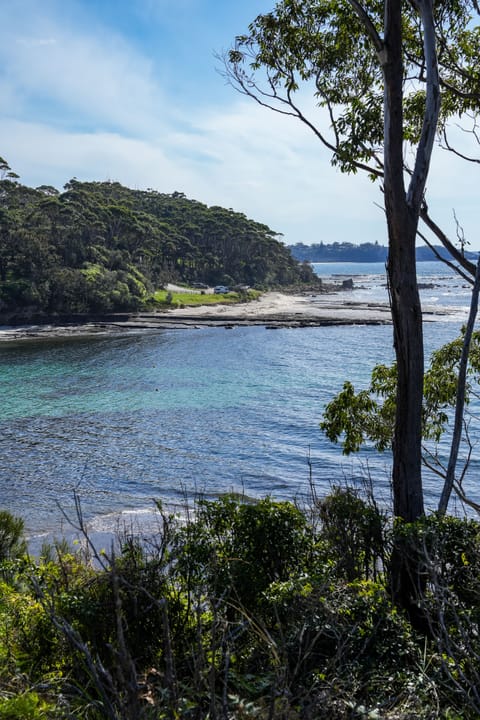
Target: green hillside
point(101, 247)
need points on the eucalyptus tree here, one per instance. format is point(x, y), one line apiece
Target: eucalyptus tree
point(372, 70)
point(6, 172)
point(355, 419)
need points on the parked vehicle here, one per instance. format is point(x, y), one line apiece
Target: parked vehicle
point(221, 290)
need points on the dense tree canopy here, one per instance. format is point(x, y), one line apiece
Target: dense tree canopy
point(99, 246)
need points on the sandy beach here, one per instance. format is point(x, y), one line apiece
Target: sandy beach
point(272, 309)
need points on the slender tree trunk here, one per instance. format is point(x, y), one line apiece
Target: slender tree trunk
point(407, 581)
point(408, 343)
point(402, 223)
point(403, 211)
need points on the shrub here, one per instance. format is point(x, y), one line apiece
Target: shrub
point(448, 552)
point(353, 533)
point(27, 706)
point(238, 548)
point(12, 541)
point(248, 610)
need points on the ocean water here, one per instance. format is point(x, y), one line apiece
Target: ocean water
point(439, 284)
point(125, 420)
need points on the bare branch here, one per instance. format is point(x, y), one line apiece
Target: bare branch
point(466, 500)
point(457, 152)
point(468, 266)
point(81, 527)
point(445, 260)
point(432, 462)
point(459, 480)
point(285, 105)
point(432, 108)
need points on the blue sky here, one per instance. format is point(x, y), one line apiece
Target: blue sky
point(130, 90)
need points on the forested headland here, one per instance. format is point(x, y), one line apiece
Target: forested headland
point(101, 247)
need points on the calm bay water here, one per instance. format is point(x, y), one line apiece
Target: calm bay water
point(126, 419)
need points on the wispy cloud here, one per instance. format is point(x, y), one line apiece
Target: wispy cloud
point(97, 76)
point(272, 172)
point(80, 99)
point(32, 42)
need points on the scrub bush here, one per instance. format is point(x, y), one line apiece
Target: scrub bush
point(12, 540)
point(247, 609)
point(237, 549)
point(353, 533)
point(27, 706)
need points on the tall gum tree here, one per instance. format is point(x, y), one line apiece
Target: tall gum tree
point(374, 69)
point(402, 213)
point(402, 210)
point(330, 46)
point(356, 56)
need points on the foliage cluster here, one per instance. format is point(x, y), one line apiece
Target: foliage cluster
point(354, 418)
point(245, 609)
point(101, 247)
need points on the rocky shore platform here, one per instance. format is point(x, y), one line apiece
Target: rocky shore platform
point(271, 310)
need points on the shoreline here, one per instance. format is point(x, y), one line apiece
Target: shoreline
point(272, 310)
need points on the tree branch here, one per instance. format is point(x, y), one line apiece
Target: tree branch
point(460, 400)
point(371, 30)
point(468, 266)
point(432, 107)
point(457, 152)
point(450, 264)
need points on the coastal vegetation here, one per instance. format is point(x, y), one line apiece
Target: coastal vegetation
point(257, 608)
point(243, 609)
point(355, 419)
point(100, 247)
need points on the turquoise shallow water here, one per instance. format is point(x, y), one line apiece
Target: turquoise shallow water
point(124, 420)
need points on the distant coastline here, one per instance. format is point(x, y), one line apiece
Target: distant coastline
point(365, 252)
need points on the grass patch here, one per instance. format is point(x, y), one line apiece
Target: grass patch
point(169, 299)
